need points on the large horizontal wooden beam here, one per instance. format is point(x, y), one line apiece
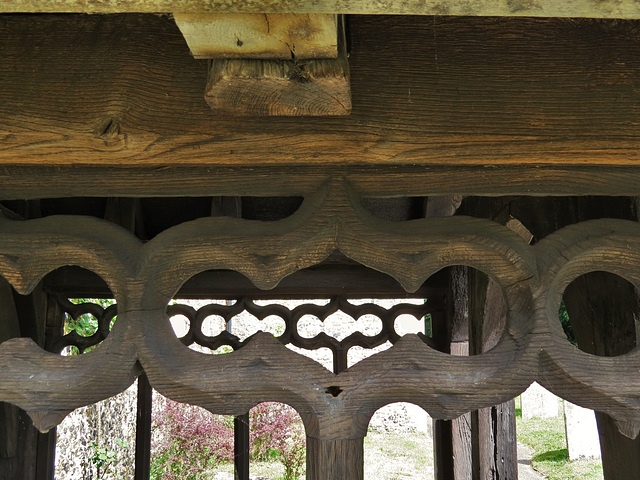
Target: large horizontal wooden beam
point(113, 105)
point(539, 8)
point(32, 182)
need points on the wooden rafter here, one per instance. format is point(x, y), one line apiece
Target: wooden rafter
point(486, 106)
point(540, 8)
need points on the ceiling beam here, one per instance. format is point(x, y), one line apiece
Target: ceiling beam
point(95, 105)
point(510, 8)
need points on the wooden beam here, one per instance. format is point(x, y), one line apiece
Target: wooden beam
point(490, 106)
point(540, 8)
point(259, 36)
point(292, 87)
point(31, 182)
point(316, 87)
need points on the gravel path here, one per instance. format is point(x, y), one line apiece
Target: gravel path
point(525, 472)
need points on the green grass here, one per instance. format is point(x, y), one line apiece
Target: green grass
point(547, 440)
point(397, 456)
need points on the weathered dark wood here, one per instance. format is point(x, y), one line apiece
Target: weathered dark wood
point(241, 445)
point(441, 324)
point(315, 282)
point(23, 464)
point(293, 87)
point(331, 459)
point(38, 181)
point(143, 429)
point(619, 452)
point(335, 408)
point(46, 445)
point(603, 310)
point(9, 328)
point(24, 452)
point(556, 110)
point(443, 456)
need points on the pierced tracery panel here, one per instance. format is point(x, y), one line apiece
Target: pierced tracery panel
point(335, 407)
point(79, 330)
point(292, 318)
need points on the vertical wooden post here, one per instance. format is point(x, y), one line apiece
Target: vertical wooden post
point(9, 414)
point(24, 452)
point(333, 459)
point(495, 455)
point(143, 429)
point(241, 446)
point(45, 466)
point(603, 308)
point(452, 438)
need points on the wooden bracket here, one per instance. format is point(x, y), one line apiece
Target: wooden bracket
point(272, 65)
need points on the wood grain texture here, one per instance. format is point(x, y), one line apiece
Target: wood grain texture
point(522, 105)
point(293, 87)
point(261, 36)
point(335, 408)
point(542, 8)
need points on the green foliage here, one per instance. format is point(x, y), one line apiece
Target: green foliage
point(85, 325)
point(563, 315)
point(105, 459)
point(428, 325)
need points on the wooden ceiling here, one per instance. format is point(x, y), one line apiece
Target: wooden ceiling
point(527, 8)
point(112, 105)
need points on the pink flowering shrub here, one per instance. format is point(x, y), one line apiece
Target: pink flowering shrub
point(190, 442)
point(277, 433)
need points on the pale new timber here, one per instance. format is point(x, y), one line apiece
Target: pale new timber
point(510, 8)
point(264, 36)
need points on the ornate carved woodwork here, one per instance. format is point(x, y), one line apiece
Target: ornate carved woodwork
point(335, 407)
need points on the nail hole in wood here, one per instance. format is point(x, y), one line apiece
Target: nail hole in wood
point(334, 391)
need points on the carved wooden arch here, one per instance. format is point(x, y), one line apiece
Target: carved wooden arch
point(143, 278)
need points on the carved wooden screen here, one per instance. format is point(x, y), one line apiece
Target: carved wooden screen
point(335, 408)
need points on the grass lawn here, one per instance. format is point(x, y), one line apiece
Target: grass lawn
point(387, 456)
point(397, 456)
point(547, 440)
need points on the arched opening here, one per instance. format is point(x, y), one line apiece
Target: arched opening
point(596, 323)
point(98, 440)
point(399, 444)
point(188, 441)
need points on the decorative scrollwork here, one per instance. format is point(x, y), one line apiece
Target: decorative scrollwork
point(291, 317)
point(144, 278)
point(104, 318)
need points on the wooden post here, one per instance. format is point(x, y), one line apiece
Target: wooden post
point(143, 429)
point(333, 459)
point(24, 452)
point(241, 446)
point(495, 455)
point(602, 308)
point(452, 438)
